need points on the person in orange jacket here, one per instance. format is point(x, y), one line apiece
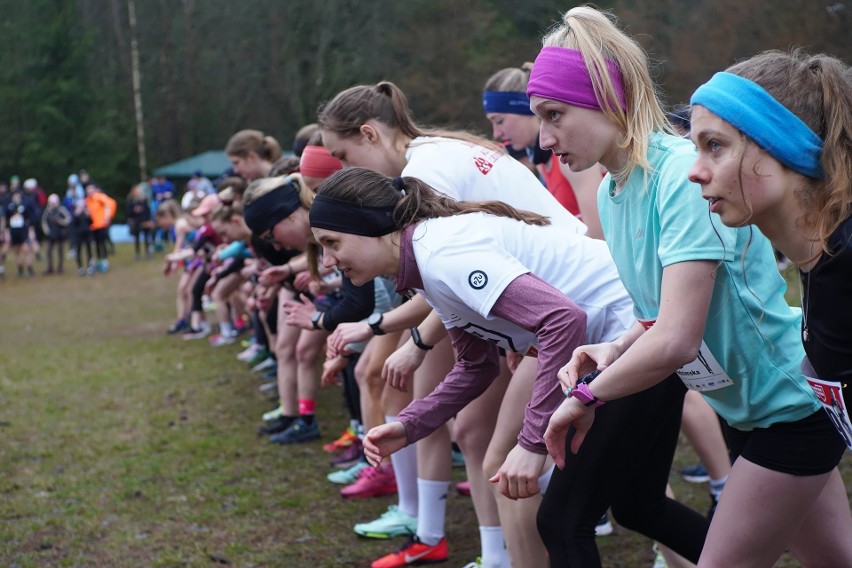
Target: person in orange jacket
point(101, 210)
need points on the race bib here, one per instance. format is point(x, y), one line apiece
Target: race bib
point(16, 221)
point(705, 373)
point(830, 394)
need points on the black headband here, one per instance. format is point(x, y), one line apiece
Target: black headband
point(350, 218)
point(269, 209)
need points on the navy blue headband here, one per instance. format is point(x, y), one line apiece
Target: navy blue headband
point(749, 108)
point(506, 102)
point(351, 218)
point(270, 208)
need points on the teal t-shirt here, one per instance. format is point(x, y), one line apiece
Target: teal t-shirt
point(659, 218)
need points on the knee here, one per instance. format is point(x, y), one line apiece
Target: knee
point(306, 354)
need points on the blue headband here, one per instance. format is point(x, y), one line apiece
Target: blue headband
point(506, 102)
point(751, 110)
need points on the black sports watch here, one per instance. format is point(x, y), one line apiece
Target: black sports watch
point(375, 322)
point(418, 341)
point(315, 319)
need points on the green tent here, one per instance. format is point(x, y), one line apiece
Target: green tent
point(211, 164)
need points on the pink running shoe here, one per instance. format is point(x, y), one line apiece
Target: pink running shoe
point(373, 482)
point(463, 488)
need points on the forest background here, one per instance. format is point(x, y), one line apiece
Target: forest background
point(212, 67)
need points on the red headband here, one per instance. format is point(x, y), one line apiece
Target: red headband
point(318, 162)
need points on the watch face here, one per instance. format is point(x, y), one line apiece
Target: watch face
point(374, 319)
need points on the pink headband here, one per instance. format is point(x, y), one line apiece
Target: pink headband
point(560, 74)
point(317, 162)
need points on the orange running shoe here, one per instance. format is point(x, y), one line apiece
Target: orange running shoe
point(344, 441)
point(414, 552)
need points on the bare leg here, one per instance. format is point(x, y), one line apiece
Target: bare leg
point(474, 429)
point(308, 349)
point(518, 518)
point(368, 373)
point(759, 514)
point(285, 352)
point(825, 536)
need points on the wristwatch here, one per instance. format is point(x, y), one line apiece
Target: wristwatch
point(582, 393)
point(418, 341)
point(375, 322)
point(315, 319)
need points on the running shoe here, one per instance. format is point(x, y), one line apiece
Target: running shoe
point(273, 414)
point(475, 564)
point(275, 426)
point(659, 559)
point(463, 488)
point(373, 482)
point(299, 432)
point(176, 327)
point(350, 455)
point(349, 475)
point(414, 552)
point(263, 364)
point(199, 333)
point(344, 441)
point(695, 473)
point(604, 527)
point(392, 523)
point(220, 339)
point(249, 352)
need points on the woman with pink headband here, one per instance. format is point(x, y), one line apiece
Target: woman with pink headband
point(712, 318)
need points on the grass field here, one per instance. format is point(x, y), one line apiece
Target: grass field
point(121, 446)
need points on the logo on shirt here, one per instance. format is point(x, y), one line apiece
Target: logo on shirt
point(483, 165)
point(477, 280)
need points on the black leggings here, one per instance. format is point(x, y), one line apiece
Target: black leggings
point(198, 290)
point(84, 239)
point(624, 463)
point(55, 247)
point(100, 237)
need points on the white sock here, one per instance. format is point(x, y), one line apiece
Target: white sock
point(226, 329)
point(544, 480)
point(494, 554)
point(432, 502)
point(717, 485)
point(405, 468)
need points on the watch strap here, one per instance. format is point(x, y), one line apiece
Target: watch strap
point(418, 341)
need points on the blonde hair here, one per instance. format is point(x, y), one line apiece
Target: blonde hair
point(260, 187)
point(595, 35)
point(510, 79)
point(227, 212)
point(817, 89)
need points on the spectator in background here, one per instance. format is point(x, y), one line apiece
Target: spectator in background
point(20, 217)
point(202, 183)
point(5, 199)
point(54, 224)
point(81, 237)
point(139, 220)
point(101, 211)
point(38, 199)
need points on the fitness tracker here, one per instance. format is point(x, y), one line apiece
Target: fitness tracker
point(418, 341)
point(581, 390)
point(315, 319)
